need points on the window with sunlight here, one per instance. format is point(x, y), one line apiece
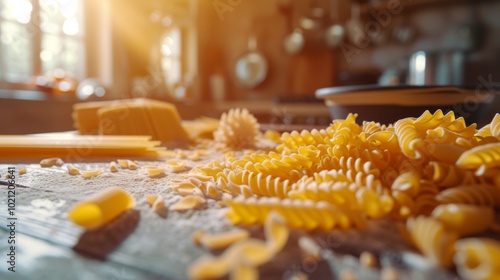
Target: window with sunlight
point(39, 36)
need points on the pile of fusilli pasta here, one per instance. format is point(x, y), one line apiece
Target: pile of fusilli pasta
point(435, 173)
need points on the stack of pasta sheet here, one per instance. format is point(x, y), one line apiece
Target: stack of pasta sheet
point(72, 146)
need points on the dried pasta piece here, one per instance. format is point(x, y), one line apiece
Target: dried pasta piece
point(433, 240)
point(389, 273)
point(310, 247)
point(260, 184)
point(368, 259)
point(244, 272)
point(374, 205)
point(224, 239)
point(196, 236)
point(22, 171)
point(480, 195)
point(303, 214)
point(464, 219)
point(48, 162)
point(159, 207)
point(481, 158)
point(73, 170)
point(194, 156)
point(113, 166)
point(276, 232)
point(495, 126)
point(188, 202)
point(177, 165)
point(409, 138)
point(91, 173)
point(445, 152)
point(99, 209)
point(154, 171)
point(151, 198)
point(251, 252)
point(446, 175)
point(132, 165)
point(478, 258)
point(123, 163)
point(238, 128)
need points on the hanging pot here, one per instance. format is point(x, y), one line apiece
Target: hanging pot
point(251, 68)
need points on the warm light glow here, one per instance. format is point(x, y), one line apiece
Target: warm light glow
point(46, 55)
point(71, 26)
point(68, 8)
point(22, 11)
point(420, 62)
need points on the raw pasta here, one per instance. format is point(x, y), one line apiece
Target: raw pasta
point(304, 214)
point(101, 208)
point(478, 258)
point(91, 173)
point(237, 129)
point(464, 219)
point(48, 162)
point(433, 239)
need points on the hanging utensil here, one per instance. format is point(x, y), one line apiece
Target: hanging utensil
point(354, 27)
point(294, 42)
point(334, 35)
point(314, 20)
point(251, 67)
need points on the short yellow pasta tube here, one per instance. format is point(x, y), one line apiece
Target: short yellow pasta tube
point(478, 258)
point(48, 162)
point(101, 208)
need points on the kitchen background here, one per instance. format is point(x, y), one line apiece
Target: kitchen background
point(207, 56)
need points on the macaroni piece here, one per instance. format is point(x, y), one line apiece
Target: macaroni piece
point(22, 171)
point(123, 163)
point(91, 173)
point(101, 208)
point(48, 162)
point(132, 165)
point(194, 156)
point(73, 170)
point(188, 202)
point(154, 171)
point(113, 166)
point(176, 165)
